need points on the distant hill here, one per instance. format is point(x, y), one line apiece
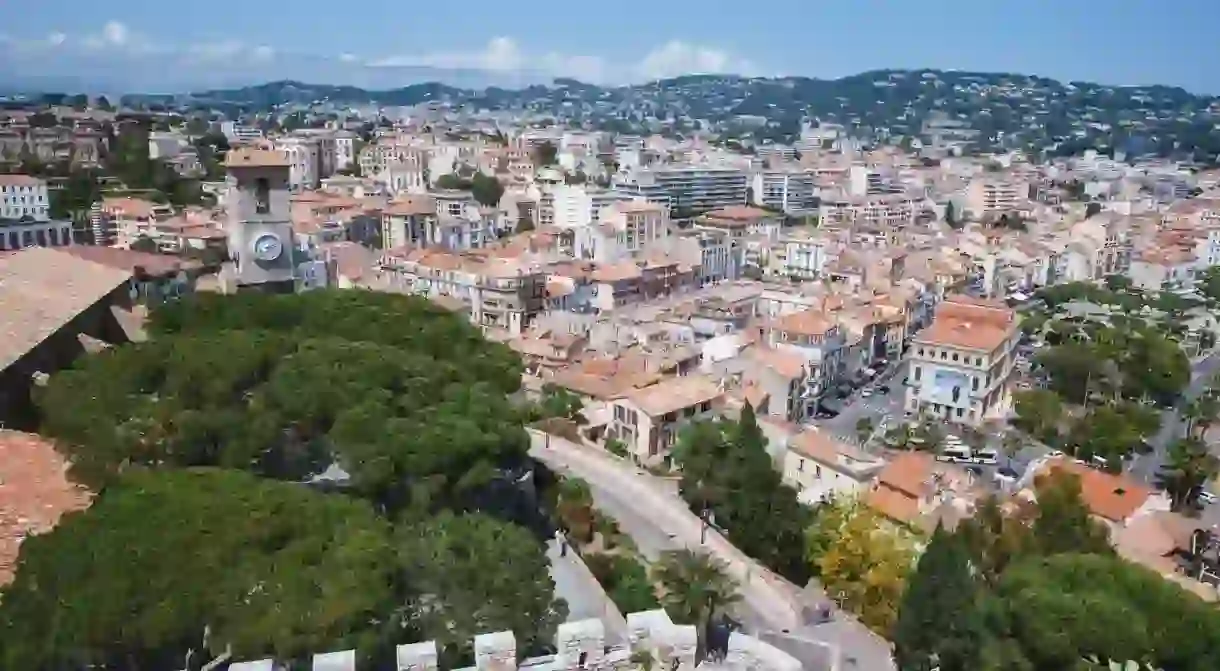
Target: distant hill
point(1000, 110)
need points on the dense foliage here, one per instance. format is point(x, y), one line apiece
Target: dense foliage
point(270, 568)
point(471, 575)
point(383, 397)
point(1041, 589)
point(727, 471)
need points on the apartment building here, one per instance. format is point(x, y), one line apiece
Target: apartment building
point(648, 421)
point(714, 255)
point(125, 220)
point(304, 161)
point(802, 256)
point(689, 189)
point(818, 340)
point(991, 197)
point(497, 292)
point(785, 191)
point(961, 366)
point(238, 133)
point(820, 468)
point(578, 206)
point(409, 221)
point(883, 211)
point(24, 197)
point(625, 229)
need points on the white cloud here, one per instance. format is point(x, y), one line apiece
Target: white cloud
point(504, 54)
point(56, 39)
point(681, 58)
point(263, 53)
point(500, 54)
point(115, 33)
point(348, 58)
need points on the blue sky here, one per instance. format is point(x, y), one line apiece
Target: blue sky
point(1122, 42)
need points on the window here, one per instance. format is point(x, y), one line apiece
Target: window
point(943, 355)
point(800, 466)
point(959, 412)
point(975, 385)
point(955, 357)
point(262, 196)
point(917, 371)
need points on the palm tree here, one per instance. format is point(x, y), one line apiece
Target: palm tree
point(1189, 468)
point(696, 588)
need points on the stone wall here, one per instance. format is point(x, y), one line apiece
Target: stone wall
point(655, 643)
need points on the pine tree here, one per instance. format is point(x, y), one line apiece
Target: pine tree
point(935, 619)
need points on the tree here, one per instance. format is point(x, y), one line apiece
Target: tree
point(1039, 413)
point(452, 181)
point(486, 190)
point(407, 399)
point(864, 428)
point(102, 589)
point(1061, 609)
point(1063, 522)
point(545, 153)
point(695, 588)
point(936, 625)
point(1188, 469)
point(951, 214)
point(144, 244)
point(104, 105)
point(1092, 209)
point(575, 509)
point(728, 474)
point(1118, 283)
point(559, 402)
point(472, 574)
point(860, 560)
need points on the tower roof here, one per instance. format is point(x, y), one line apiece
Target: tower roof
point(254, 157)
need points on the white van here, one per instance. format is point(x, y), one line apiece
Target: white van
point(986, 456)
point(955, 454)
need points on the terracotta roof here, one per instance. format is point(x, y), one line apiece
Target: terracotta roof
point(1112, 497)
point(894, 504)
point(20, 180)
point(969, 323)
point(673, 394)
point(788, 365)
point(407, 206)
point(34, 493)
point(255, 157)
point(741, 214)
point(41, 290)
point(129, 260)
point(909, 472)
point(806, 322)
point(827, 450)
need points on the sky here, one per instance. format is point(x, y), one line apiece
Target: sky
point(185, 44)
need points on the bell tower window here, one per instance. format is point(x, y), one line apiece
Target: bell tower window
point(262, 196)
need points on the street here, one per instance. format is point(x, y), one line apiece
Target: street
point(658, 520)
point(1145, 467)
point(875, 407)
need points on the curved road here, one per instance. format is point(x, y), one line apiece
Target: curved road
point(658, 520)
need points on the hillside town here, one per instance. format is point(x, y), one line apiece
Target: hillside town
point(917, 336)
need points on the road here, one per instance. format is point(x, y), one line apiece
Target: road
point(874, 407)
point(585, 596)
point(1145, 467)
point(658, 520)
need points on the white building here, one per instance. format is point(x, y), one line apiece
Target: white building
point(785, 191)
point(819, 467)
point(21, 234)
point(304, 161)
point(961, 366)
point(577, 206)
point(689, 188)
point(625, 229)
point(24, 197)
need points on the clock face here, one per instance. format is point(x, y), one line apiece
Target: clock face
point(267, 247)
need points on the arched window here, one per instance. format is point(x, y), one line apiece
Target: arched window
point(262, 196)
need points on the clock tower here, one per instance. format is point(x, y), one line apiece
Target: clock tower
point(261, 241)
